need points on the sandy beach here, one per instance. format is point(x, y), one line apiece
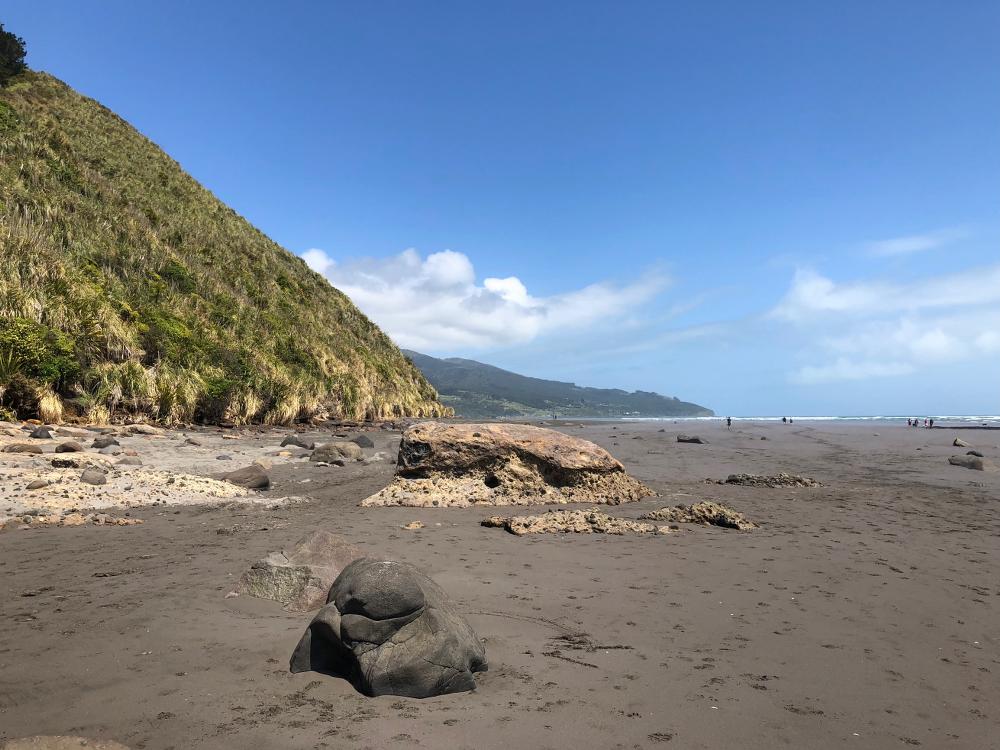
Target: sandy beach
point(862, 613)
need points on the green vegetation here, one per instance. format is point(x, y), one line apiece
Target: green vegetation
point(475, 390)
point(128, 289)
point(11, 55)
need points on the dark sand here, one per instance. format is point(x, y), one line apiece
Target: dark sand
point(862, 614)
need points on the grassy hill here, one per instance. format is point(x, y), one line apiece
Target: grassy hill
point(126, 288)
point(476, 390)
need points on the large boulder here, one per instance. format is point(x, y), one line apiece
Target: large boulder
point(390, 630)
point(330, 452)
point(41, 433)
point(968, 462)
point(363, 441)
point(301, 576)
point(503, 464)
point(23, 448)
point(253, 477)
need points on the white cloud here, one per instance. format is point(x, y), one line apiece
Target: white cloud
point(318, 261)
point(847, 369)
point(813, 296)
point(435, 303)
point(882, 329)
point(916, 243)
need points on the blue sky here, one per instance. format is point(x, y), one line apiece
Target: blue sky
point(762, 207)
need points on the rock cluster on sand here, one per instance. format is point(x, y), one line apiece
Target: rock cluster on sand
point(301, 576)
point(74, 518)
point(704, 512)
point(691, 439)
point(778, 480)
point(390, 630)
point(459, 465)
point(590, 521)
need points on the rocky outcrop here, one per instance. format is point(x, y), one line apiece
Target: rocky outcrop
point(390, 630)
point(704, 512)
point(590, 521)
point(959, 443)
point(301, 576)
point(458, 465)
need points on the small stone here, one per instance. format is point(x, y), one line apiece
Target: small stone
point(94, 476)
point(37, 484)
point(412, 525)
point(70, 446)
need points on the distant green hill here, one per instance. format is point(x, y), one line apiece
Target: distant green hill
point(126, 288)
point(476, 390)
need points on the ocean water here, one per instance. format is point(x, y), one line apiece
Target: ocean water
point(962, 420)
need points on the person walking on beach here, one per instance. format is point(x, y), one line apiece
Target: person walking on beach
point(729, 423)
point(784, 420)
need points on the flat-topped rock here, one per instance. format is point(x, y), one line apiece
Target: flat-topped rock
point(591, 521)
point(704, 512)
point(458, 465)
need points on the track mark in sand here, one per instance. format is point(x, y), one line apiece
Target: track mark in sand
point(660, 737)
point(556, 654)
point(529, 618)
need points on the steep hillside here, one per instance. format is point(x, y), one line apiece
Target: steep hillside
point(128, 288)
point(477, 390)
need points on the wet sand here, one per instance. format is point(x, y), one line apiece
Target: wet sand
point(863, 613)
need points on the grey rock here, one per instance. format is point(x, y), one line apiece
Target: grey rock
point(94, 476)
point(298, 441)
point(691, 439)
point(129, 461)
point(70, 446)
point(37, 484)
point(974, 453)
point(253, 477)
point(341, 449)
point(390, 630)
point(959, 443)
point(110, 450)
point(23, 448)
point(41, 433)
point(968, 462)
point(192, 441)
point(103, 442)
point(224, 457)
point(363, 441)
point(300, 577)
